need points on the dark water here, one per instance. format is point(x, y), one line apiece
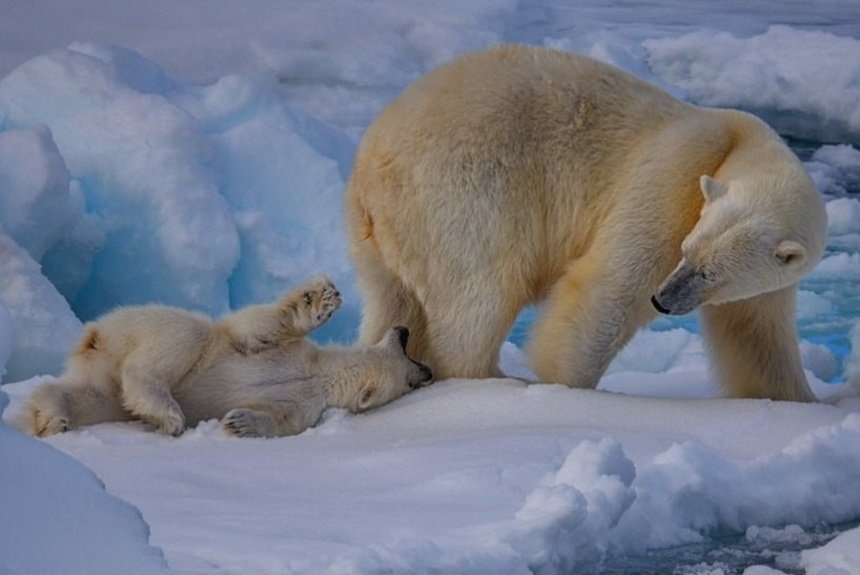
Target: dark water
point(728, 555)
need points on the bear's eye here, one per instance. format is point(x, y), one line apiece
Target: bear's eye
point(786, 258)
point(705, 275)
point(366, 397)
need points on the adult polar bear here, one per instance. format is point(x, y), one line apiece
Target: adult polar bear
point(522, 174)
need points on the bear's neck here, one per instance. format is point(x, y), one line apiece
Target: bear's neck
point(755, 145)
point(341, 372)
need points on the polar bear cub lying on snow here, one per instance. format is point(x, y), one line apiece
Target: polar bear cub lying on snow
point(254, 369)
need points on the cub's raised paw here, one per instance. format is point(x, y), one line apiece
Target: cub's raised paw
point(245, 422)
point(316, 303)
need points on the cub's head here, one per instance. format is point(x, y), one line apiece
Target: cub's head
point(749, 240)
point(393, 373)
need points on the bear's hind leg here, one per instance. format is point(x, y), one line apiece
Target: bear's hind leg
point(465, 333)
point(388, 303)
point(56, 407)
point(146, 394)
point(753, 347)
point(49, 410)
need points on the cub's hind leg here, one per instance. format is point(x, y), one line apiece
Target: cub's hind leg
point(388, 302)
point(57, 407)
point(85, 394)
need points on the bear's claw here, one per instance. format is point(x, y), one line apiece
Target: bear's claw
point(53, 426)
point(318, 302)
point(242, 423)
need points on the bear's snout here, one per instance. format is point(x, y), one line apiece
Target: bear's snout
point(425, 374)
point(656, 303)
point(682, 292)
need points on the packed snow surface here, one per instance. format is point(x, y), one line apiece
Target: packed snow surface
point(195, 153)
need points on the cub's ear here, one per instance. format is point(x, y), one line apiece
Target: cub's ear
point(402, 335)
point(711, 188)
point(365, 396)
point(790, 253)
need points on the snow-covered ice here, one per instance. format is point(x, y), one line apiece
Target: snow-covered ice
point(806, 83)
point(480, 476)
point(842, 555)
point(195, 153)
point(57, 518)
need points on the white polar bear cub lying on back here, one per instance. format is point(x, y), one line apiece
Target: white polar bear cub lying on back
point(254, 369)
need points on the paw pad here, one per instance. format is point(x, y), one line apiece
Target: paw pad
point(318, 302)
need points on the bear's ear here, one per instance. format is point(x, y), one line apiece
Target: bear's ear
point(402, 336)
point(365, 396)
point(790, 253)
point(711, 188)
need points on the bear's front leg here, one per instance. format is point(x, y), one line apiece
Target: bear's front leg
point(591, 313)
point(275, 419)
point(306, 308)
point(754, 349)
point(257, 328)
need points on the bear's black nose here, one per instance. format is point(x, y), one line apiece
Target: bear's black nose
point(659, 307)
point(425, 374)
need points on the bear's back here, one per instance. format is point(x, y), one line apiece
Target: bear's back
point(155, 326)
point(522, 95)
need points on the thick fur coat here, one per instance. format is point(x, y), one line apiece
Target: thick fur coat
point(254, 369)
point(524, 175)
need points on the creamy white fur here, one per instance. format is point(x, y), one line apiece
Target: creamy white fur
point(522, 175)
point(254, 368)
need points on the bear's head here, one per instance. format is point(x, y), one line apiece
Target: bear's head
point(391, 372)
point(752, 237)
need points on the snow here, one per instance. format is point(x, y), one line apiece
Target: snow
point(804, 82)
point(38, 320)
point(496, 476)
point(58, 518)
point(852, 363)
point(835, 168)
point(195, 154)
point(843, 216)
point(839, 557)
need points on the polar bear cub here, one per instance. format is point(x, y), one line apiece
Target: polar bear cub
point(254, 369)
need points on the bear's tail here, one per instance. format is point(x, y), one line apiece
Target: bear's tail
point(90, 341)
